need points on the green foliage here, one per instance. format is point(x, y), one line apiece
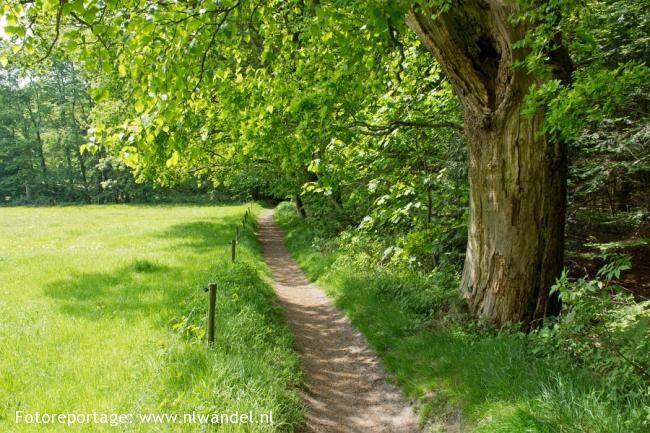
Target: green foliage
point(607, 42)
point(314, 77)
point(44, 123)
point(464, 374)
point(595, 96)
point(606, 330)
point(338, 104)
point(327, 93)
point(394, 274)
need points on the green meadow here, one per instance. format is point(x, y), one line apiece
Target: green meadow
point(102, 311)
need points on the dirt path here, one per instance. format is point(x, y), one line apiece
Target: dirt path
point(346, 388)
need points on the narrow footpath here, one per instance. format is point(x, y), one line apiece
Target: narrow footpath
point(346, 387)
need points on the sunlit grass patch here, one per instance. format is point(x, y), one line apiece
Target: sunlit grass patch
point(102, 310)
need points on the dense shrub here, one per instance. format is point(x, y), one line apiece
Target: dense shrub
point(604, 329)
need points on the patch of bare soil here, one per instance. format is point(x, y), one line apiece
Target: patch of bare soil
point(346, 388)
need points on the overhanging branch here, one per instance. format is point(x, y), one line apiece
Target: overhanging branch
point(59, 11)
point(90, 26)
point(226, 12)
point(376, 130)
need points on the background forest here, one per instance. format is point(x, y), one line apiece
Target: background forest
point(341, 109)
point(45, 116)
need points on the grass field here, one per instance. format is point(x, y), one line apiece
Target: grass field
point(101, 310)
point(464, 379)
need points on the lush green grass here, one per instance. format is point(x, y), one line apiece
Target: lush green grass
point(465, 379)
point(101, 310)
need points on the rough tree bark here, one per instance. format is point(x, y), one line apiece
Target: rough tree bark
point(517, 177)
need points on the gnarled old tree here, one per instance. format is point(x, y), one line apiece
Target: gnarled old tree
point(517, 176)
point(229, 67)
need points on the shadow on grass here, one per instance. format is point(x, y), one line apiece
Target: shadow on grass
point(202, 236)
point(143, 288)
point(251, 366)
point(138, 290)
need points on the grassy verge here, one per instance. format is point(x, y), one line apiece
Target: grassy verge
point(464, 378)
point(101, 310)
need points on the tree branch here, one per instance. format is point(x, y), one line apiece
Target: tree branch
point(226, 12)
point(58, 30)
point(376, 130)
point(394, 36)
point(90, 26)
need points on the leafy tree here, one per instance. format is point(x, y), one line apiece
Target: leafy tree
point(339, 105)
point(44, 123)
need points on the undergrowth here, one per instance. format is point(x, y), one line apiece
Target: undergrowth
point(464, 374)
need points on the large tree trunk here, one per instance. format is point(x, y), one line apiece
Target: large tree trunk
point(517, 176)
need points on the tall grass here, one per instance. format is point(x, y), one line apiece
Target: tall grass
point(102, 310)
point(463, 375)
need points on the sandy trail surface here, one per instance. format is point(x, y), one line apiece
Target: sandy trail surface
point(346, 388)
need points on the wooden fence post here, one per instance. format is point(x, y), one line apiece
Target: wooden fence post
point(212, 300)
point(233, 249)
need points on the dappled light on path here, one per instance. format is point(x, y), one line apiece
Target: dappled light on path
point(346, 388)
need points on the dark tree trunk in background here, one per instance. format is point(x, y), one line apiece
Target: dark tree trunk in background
point(82, 163)
point(41, 152)
point(35, 117)
point(300, 207)
point(517, 177)
point(429, 206)
point(68, 161)
point(84, 177)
